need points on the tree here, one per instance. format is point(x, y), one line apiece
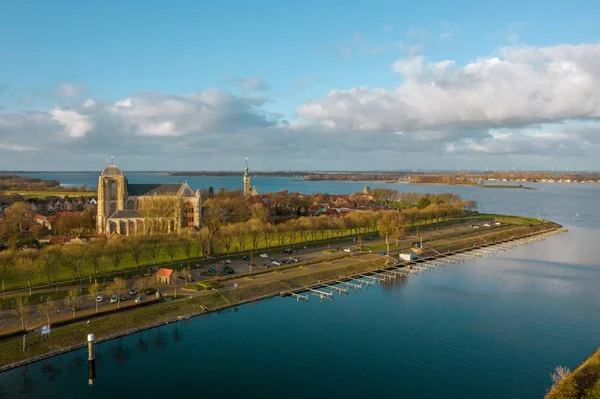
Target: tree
point(72, 300)
point(186, 274)
point(281, 234)
point(268, 233)
point(154, 246)
point(141, 284)
point(75, 255)
point(21, 309)
point(94, 292)
point(17, 219)
point(170, 247)
point(254, 228)
point(423, 203)
point(6, 262)
point(136, 248)
point(174, 277)
point(51, 258)
point(259, 212)
point(96, 252)
point(226, 236)
point(47, 308)
point(26, 265)
point(115, 251)
point(241, 236)
point(391, 223)
point(118, 287)
point(187, 245)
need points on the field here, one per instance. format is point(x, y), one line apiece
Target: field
point(45, 194)
point(583, 382)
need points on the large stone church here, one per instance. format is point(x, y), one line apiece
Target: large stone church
point(127, 209)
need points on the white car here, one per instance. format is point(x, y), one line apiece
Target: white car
point(487, 225)
point(264, 255)
point(99, 298)
point(347, 249)
point(114, 299)
point(276, 262)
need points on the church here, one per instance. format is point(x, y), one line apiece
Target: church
point(128, 209)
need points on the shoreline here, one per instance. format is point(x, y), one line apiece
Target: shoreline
point(195, 307)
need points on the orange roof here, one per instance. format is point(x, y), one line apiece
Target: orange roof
point(164, 272)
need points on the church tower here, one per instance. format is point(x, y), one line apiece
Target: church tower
point(247, 188)
point(111, 195)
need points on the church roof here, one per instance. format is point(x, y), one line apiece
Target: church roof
point(136, 190)
point(125, 214)
point(112, 170)
point(166, 189)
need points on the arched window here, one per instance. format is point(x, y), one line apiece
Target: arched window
point(113, 208)
point(130, 204)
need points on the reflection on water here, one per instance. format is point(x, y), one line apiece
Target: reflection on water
point(490, 328)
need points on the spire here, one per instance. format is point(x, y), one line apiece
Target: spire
point(246, 170)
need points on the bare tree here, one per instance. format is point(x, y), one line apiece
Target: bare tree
point(186, 274)
point(187, 245)
point(118, 287)
point(115, 251)
point(241, 236)
point(136, 248)
point(154, 246)
point(96, 252)
point(51, 259)
point(6, 262)
point(225, 236)
point(255, 228)
point(94, 292)
point(26, 266)
point(140, 284)
point(170, 247)
point(47, 308)
point(76, 256)
point(72, 300)
point(21, 309)
point(268, 234)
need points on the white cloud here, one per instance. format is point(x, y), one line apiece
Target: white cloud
point(74, 123)
point(16, 147)
point(250, 83)
point(523, 85)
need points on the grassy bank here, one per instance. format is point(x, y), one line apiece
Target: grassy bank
point(46, 194)
point(582, 383)
point(74, 336)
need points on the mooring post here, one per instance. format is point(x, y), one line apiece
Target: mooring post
point(91, 359)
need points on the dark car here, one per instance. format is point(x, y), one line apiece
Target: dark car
point(287, 261)
point(150, 291)
point(265, 265)
point(288, 251)
point(227, 270)
point(212, 270)
point(245, 257)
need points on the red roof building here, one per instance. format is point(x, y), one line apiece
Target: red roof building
point(163, 276)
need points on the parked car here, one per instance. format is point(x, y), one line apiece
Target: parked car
point(227, 270)
point(225, 262)
point(212, 270)
point(265, 265)
point(246, 257)
point(133, 292)
point(264, 255)
point(348, 249)
point(276, 262)
point(287, 261)
point(197, 266)
point(294, 259)
point(114, 299)
point(486, 225)
point(75, 308)
point(124, 297)
point(99, 298)
point(140, 299)
point(150, 291)
point(288, 251)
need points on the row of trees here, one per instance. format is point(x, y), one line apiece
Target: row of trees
point(73, 261)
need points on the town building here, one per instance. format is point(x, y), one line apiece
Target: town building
point(249, 191)
point(126, 208)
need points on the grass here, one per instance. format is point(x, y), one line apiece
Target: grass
point(45, 194)
point(582, 383)
point(507, 218)
point(75, 334)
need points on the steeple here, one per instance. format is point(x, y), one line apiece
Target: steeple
point(247, 188)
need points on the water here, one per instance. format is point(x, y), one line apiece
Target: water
point(490, 328)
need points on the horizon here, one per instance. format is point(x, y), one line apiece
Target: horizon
point(346, 86)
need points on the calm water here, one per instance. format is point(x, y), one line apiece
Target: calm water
point(490, 328)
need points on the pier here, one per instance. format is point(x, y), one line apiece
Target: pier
point(405, 268)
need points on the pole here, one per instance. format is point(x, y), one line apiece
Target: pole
point(91, 359)
point(24, 343)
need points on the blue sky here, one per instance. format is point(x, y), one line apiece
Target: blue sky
point(272, 63)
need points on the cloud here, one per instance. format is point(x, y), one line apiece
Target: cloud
point(305, 81)
point(523, 85)
point(250, 84)
point(69, 90)
point(74, 123)
point(16, 147)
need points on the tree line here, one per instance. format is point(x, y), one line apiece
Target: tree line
point(55, 263)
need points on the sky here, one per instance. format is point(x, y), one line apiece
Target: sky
point(300, 85)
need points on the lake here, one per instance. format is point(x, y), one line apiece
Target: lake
point(490, 328)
